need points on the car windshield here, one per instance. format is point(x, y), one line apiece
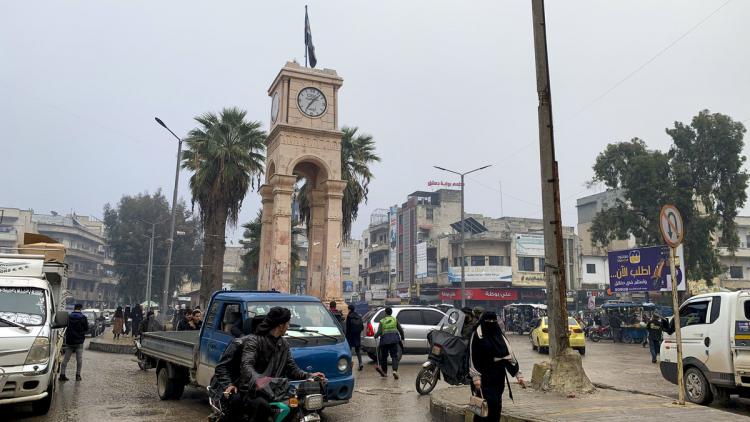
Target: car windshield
point(312, 316)
point(22, 305)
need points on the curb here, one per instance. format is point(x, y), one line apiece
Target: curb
point(124, 349)
point(445, 411)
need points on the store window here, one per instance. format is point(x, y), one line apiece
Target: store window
point(590, 268)
point(477, 261)
point(496, 260)
point(525, 263)
point(541, 265)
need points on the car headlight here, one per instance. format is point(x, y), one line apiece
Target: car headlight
point(314, 402)
point(39, 352)
point(343, 365)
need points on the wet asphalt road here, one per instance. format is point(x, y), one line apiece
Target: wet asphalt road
point(114, 389)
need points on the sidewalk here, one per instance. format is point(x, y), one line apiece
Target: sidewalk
point(105, 343)
point(448, 405)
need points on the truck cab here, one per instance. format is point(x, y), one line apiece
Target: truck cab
point(189, 357)
point(715, 330)
point(31, 334)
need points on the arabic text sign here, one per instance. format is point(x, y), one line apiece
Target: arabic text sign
point(479, 294)
point(421, 260)
point(644, 269)
point(483, 273)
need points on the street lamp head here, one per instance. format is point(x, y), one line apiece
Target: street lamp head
point(440, 168)
point(158, 120)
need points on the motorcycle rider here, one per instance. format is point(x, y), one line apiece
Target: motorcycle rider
point(266, 359)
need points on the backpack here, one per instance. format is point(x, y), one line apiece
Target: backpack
point(355, 322)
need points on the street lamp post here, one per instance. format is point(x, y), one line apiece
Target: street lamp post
point(170, 241)
point(463, 231)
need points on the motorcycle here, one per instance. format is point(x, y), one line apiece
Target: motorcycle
point(305, 400)
point(602, 332)
point(429, 375)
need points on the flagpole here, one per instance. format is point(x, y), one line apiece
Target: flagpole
point(306, 35)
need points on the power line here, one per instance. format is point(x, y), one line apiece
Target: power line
point(649, 61)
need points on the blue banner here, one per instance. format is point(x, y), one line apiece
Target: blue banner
point(348, 286)
point(644, 269)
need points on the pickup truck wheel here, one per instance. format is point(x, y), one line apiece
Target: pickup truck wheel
point(168, 388)
point(41, 407)
point(697, 389)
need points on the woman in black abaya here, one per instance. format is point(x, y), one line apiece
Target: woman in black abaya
point(490, 360)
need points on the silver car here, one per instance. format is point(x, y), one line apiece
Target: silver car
point(416, 321)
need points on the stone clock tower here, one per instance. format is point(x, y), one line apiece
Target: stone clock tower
point(305, 142)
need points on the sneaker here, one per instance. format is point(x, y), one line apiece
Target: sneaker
point(78, 377)
point(380, 371)
point(395, 375)
point(653, 360)
point(63, 377)
point(361, 367)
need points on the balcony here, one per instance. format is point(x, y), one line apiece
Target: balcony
point(379, 247)
point(381, 268)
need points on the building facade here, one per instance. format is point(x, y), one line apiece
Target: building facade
point(737, 263)
point(14, 223)
point(91, 277)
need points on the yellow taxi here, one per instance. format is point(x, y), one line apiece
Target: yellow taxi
point(540, 336)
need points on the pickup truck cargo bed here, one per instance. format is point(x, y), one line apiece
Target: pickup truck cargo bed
point(172, 346)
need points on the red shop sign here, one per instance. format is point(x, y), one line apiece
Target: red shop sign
point(479, 294)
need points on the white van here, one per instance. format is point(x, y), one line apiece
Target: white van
point(31, 332)
point(715, 347)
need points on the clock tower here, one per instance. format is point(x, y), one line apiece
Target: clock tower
point(304, 142)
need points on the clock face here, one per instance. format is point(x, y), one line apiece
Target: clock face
point(275, 106)
point(312, 102)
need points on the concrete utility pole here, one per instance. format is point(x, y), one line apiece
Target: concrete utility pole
point(567, 373)
point(170, 242)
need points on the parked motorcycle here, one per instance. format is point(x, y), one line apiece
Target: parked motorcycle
point(602, 332)
point(305, 400)
point(429, 375)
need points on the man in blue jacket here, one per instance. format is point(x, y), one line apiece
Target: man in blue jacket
point(78, 326)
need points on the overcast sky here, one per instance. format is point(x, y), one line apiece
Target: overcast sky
point(435, 83)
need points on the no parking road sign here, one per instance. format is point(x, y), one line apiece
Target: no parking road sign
point(670, 223)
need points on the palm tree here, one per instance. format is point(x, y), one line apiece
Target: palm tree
point(251, 243)
point(357, 154)
point(225, 155)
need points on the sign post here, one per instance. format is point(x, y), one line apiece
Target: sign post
point(673, 231)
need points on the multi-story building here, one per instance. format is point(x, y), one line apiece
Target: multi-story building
point(91, 278)
point(593, 259)
point(350, 253)
point(14, 223)
point(504, 261)
point(376, 263)
point(737, 264)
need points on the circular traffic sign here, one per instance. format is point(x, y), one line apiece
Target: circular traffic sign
point(671, 226)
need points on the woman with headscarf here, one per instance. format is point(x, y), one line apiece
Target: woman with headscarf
point(127, 319)
point(490, 360)
point(137, 316)
point(117, 322)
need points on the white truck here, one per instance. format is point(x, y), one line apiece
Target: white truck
point(715, 347)
point(31, 329)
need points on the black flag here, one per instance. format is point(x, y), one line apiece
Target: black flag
point(309, 47)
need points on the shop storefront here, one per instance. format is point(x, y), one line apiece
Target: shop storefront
point(492, 298)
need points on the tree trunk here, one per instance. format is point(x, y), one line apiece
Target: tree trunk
point(206, 264)
point(217, 265)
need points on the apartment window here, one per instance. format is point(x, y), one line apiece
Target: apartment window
point(346, 254)
point(429, 213)
point(525, 263)
point(443, 265)
point(541, 265)
point(477, 261)
point(590, 268)
point(496, 260)
point(735, 272)
point(366, 242)
point(346, 271)
point(747, 241)
point(366, 263)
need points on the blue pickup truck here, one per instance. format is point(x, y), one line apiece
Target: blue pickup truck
point(189, 357)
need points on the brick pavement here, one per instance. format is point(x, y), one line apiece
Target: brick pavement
point(447, 405)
